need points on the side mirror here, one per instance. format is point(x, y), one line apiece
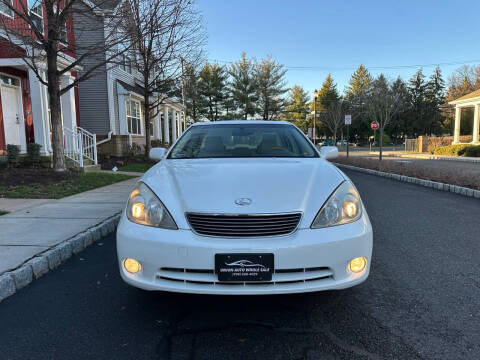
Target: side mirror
point(329, 152)
point(157, 153)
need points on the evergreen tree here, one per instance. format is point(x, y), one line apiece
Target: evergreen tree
point(192, 96)
point(211, 86)
point(271, 85)
point(297, 107)
point(435, 98)
point(327, 95)
point(399, 124)
point(243, 86)
point(417, 89)
point(356, 93)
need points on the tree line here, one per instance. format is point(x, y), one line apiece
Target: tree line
point(410, 108)
point(248, 89)
point(244, 90)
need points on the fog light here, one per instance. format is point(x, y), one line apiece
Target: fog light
point(132, 265)
point(358, 264)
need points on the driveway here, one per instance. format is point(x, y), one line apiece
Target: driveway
point(422, 300)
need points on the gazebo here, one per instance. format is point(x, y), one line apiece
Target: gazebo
point(469, 100)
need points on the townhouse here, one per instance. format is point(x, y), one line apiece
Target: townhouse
point(24, 108)
point(112, 101)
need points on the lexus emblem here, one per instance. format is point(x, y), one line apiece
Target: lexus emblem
point(243, 201)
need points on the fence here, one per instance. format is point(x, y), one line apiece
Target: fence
point(411, 145)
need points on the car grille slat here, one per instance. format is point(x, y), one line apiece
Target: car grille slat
point(208, 277)
point(243, 225)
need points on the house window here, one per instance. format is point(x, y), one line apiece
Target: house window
point(134, 117)
point(9, 80)
point(36, 14)
point(4, 9)
point(63, 34)
point(125, 63)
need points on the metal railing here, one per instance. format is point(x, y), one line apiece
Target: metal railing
point(80, 144)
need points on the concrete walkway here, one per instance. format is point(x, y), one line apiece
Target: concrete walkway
point(11, 205)
point(37, 227)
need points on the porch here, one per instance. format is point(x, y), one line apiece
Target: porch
point(467, 101)
point(24, 108)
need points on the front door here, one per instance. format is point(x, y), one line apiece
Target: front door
point(11, 120)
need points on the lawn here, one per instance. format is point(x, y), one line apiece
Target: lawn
point(136, 167)
point(59, 188)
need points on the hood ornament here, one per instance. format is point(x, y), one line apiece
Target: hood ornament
point(243, 201)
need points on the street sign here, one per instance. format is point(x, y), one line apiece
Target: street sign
point(348, 119)
point(374, 125)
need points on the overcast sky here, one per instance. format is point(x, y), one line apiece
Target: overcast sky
point(337, 35)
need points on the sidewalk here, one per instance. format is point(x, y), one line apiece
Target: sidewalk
point(37, 228)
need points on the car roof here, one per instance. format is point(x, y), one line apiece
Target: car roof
point(243, 122)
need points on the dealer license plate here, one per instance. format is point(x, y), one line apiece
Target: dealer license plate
point(244, 267)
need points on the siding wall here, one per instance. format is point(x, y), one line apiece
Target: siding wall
point(92, 93)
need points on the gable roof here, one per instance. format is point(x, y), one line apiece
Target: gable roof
point(475, 95)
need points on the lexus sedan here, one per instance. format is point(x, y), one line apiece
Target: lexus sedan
point(244, 207)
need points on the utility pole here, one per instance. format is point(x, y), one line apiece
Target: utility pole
point(315, 95)
point(184, 112)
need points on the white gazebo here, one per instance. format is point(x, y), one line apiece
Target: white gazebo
point(469, 100)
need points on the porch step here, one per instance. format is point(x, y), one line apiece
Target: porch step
point(91, 168)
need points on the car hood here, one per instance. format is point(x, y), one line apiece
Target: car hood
point(274, 185)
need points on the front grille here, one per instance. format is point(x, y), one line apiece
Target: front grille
point(243, 225)
point(208, 277)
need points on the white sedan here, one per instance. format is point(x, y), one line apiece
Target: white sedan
point(244, 207)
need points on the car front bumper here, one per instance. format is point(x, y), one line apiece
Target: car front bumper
point(305, 261)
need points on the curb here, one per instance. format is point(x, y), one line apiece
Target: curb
point(438, 157)
point(460, 190)
point(14, 280)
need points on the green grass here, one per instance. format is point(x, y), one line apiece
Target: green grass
point(3, 212)
point(136, 167)
point(84, 182)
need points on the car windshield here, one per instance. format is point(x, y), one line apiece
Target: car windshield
point(242, 141)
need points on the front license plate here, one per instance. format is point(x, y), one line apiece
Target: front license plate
point(244, 267)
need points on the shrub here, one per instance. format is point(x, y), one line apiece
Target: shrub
point(473, 151)
point(13, 154)
point(33, 152)
point(134, 149)
point(451, 150)
point(159, 143)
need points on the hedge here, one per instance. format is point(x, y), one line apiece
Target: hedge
point(473, 151)
point(452, 150)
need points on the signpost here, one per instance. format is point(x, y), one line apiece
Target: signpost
point(348, 122)
point(374, 125)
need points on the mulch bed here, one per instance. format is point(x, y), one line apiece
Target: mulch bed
point(464, 178)
point(27, 176)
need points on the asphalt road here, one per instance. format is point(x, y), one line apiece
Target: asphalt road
point(422, 300)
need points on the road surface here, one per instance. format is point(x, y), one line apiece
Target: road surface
point(422, 300)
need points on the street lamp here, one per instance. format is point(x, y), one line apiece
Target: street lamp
point(315, 95)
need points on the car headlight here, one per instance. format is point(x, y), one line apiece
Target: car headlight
point(342, 207)
point(145, 208)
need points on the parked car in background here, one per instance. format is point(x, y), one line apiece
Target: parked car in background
point(244, 207)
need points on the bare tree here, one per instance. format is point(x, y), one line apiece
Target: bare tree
point(383, 103)
point(163, 34)
point(42, 36)
point(334, 117)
